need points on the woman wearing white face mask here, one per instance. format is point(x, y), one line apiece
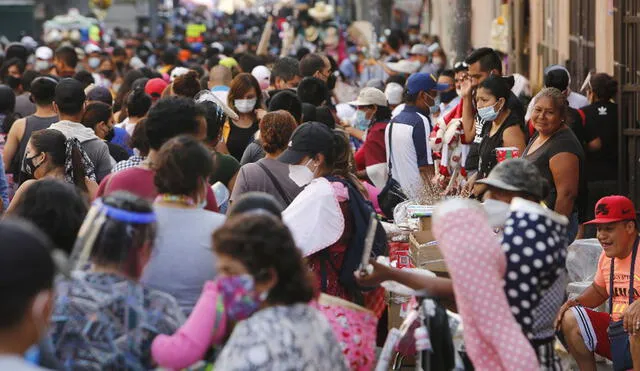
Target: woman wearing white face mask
point(182, 262)
point(372, 116)
point(502, 127)
point(245, 98)
point(324, 217)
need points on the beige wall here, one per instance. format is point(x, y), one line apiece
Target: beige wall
point(563, 27)
point(483, 12)
point(604, 39)
point(535, 37)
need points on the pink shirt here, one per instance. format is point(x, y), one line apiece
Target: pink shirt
point(139, 181)
point(192, 340)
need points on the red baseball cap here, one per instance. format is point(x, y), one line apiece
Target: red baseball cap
point(613, 209)
point(155, 87)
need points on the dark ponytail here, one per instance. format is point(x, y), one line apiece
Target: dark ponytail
point(341, 161)
point(498, 86)
point(65, 153)
point(77, 166)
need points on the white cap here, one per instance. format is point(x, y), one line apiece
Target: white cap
point(178, 71)
point(263, 75)
point(136, 63)
point(29, 42)
point(92, 48)
point(44, 52)
point(217, 45)
point(344, 111)
point(404, 66)
point(419, 49)
point(370, 97)
point(393, 91)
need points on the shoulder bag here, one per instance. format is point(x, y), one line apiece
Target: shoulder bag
point(618, 337)
point(276, 184)
point(392, 194)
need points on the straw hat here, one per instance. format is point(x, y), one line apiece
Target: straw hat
point(404, 66)
point(321, 11)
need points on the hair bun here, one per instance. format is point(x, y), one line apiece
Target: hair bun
point(509, 80)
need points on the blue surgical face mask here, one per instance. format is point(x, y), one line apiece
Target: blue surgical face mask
point(361, 122)
point(488, 113)
point(436, 105)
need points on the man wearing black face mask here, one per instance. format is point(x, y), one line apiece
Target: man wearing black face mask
point(449, 99)
point(12, 71)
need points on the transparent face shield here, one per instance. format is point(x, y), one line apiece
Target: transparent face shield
point(109, 228)
point(223, 109)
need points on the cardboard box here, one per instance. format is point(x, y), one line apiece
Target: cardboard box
point(425, 225)
point(427, 257)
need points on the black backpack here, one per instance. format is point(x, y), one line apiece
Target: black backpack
point(361, 210)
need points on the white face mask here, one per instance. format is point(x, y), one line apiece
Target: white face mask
point(94, 62)
point(42, 65)
point(497, 211)
point(301, 174)
point(437, 61)
point(245, 105)
point(459, 92)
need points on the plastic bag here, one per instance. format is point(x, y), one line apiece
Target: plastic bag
point(582, 260)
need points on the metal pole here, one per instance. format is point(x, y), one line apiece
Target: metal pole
point(462, 32)
point(518, 25)
point(153, 19)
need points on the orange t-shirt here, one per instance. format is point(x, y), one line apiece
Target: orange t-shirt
point(620, 282)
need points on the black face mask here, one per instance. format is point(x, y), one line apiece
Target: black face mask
point(110, 135)
point(331, 81)
point(448, 96)
point(12, 81)
point(28, 167)
point(107, 74)
point(119, 65)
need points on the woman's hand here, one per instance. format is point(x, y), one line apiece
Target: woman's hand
point(379, 274)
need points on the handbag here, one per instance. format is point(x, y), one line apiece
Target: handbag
point(618, 337)
point(392, 194)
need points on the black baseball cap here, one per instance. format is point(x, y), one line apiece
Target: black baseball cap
point(69, 95)
point(100, 94)
point(308, 139)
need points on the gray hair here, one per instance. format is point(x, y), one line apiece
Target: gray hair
point(558, 98)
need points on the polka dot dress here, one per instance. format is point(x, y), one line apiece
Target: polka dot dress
point(493, 339)
point(535, 246)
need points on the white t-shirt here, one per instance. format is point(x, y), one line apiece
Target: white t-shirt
point(577, 100)
point(411, 150)
point(127, 126)
point(16, 363)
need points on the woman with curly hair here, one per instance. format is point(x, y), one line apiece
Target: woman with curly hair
point(264, 286)
point(268, 174)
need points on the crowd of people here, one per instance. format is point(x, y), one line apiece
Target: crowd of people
point(214, 204)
